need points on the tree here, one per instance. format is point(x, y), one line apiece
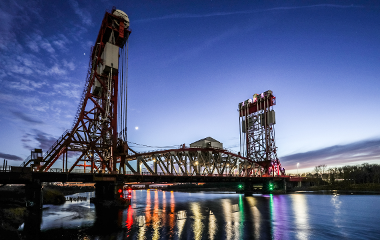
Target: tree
point(317, 170)
point(323, 168)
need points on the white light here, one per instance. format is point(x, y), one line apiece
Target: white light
point(297, 167)
point(137, 128)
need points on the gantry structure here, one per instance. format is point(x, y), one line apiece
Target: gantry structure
point(257, 134)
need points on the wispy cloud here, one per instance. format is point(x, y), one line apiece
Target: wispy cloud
point(216, 14)
point(23, 84)
point(68, 89)
point(10, 157)
point(367, 150)
point(82, 13)
point(14, 16)
point(38, 139)
point(195, 51)
point(26, 118)
point(36, 41)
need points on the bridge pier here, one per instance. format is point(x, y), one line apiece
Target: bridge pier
point(32, 224)
point(33, 194)
point(110, 194)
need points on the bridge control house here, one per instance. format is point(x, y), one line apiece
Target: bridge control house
point(207, 143)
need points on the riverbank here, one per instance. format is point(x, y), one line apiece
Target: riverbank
point(13, 204)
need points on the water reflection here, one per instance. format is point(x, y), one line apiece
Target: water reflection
point(173, 215)
point(212, 225)
point(256, 217)
point(301, 215)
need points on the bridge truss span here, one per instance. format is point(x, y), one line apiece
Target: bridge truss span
point(193, 162)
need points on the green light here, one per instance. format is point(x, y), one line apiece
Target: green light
point(270, 186)
point(240, 186)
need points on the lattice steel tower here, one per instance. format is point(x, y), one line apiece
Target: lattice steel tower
point(257, 135)
point(97, 139)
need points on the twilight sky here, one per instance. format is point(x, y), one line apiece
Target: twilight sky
point(191, 63)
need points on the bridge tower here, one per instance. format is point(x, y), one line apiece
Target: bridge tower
point(257, 135)
point(97, 139)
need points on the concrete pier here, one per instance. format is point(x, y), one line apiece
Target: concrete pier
point(110, 194)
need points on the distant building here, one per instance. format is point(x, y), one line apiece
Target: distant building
point(207, 143)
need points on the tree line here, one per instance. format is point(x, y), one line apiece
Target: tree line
point(356, 174)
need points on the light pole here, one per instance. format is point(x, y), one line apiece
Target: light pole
point(297, 167)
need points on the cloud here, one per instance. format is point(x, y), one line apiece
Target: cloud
point(68, 89)
point(14, 17)
point(23, 84)
point(56, 70)
point(367, 150)
point(45, 141)
point(192, 52)
point(25, 117)
point(83, 14)
point(35, 42)
point(69, 65)
point(10, 157)
point(216, 14)
point(40, 139)
point(46, 46)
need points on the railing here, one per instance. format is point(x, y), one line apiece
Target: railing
point(5, 168)
point(81, 171)
point(57, 170)
point(52, 148)
point(184, 174)
point(25, 161)
point(83, 96)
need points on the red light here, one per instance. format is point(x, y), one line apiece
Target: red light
point(129, 190)
point(121, 196)
point(120, 190)
point(129, 196)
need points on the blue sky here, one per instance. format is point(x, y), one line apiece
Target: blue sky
point(191, 63)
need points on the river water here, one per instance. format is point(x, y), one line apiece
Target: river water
point(176, 215)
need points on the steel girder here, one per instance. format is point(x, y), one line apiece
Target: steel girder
point(192, 162)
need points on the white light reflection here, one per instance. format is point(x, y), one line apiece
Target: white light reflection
point(142, 227)
point(197, 223)
point(256, 217)
point(156, 217)
point(227, 210)
point(181, 220)
point(212, 225)
point(232, 219)
point(301, 216)
point(335, 200)
point(163, 208)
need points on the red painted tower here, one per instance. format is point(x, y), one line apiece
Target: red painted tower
point(257, 135)
point(97, 138)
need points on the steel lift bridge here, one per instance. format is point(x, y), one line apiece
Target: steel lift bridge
point(98, 143)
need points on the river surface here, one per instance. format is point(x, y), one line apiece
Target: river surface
point(176, 215)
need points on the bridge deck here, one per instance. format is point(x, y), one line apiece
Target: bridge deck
point(22, 178)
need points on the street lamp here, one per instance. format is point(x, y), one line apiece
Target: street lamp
point(297, 167)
